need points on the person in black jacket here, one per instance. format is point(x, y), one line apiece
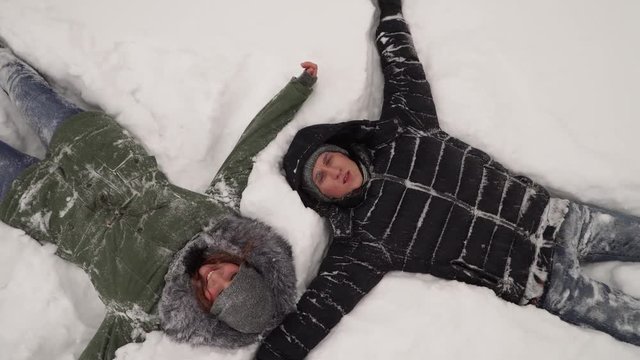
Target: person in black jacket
point(403, 195)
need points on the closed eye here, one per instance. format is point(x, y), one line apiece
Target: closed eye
point(327, 159)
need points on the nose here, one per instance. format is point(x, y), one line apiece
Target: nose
point(220, 278)
point(215, 284)
point(216, 278)
point(333, 172)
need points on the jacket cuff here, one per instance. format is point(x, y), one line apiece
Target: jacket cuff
point(306, 79)
point(388, 8)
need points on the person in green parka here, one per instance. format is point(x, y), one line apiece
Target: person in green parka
point(159, 256)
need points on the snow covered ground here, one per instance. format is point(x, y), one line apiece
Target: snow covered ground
point(549, 88)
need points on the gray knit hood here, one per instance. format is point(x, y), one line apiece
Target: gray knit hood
point(181, 316)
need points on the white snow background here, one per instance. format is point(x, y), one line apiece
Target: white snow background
point(548, 87)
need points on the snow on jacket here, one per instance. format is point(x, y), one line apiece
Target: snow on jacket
point(103, 201)
point(433, 204)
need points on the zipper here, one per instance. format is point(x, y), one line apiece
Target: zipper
point(475, 271)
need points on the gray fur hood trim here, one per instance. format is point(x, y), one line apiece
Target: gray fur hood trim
point(180, 314)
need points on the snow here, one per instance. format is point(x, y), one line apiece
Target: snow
point(546, 87)
point(71, 200)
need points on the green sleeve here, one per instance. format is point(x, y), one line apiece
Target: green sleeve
point(113, 333)
point(231, 179)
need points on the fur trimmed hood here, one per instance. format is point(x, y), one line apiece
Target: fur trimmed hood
point(181, 316)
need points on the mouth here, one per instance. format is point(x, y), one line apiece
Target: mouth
point(346, 177)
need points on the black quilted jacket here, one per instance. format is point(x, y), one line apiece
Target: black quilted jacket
point(433, 204)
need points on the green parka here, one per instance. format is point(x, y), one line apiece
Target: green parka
point(103, 201)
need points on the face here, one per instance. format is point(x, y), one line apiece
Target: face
point(336, 175)
point(212, 279)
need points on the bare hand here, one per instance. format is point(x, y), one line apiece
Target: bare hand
point(310, 67)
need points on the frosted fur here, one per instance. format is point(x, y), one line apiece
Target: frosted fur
point(181, 316)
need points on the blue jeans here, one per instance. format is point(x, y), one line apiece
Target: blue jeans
point(42, 107)
point(590, 234)
point(12, 163)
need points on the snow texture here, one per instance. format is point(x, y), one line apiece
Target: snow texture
point(546, 87)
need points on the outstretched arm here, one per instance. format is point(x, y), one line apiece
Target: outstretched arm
point(341, 283)
point(231, 179)
point(407, 94)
